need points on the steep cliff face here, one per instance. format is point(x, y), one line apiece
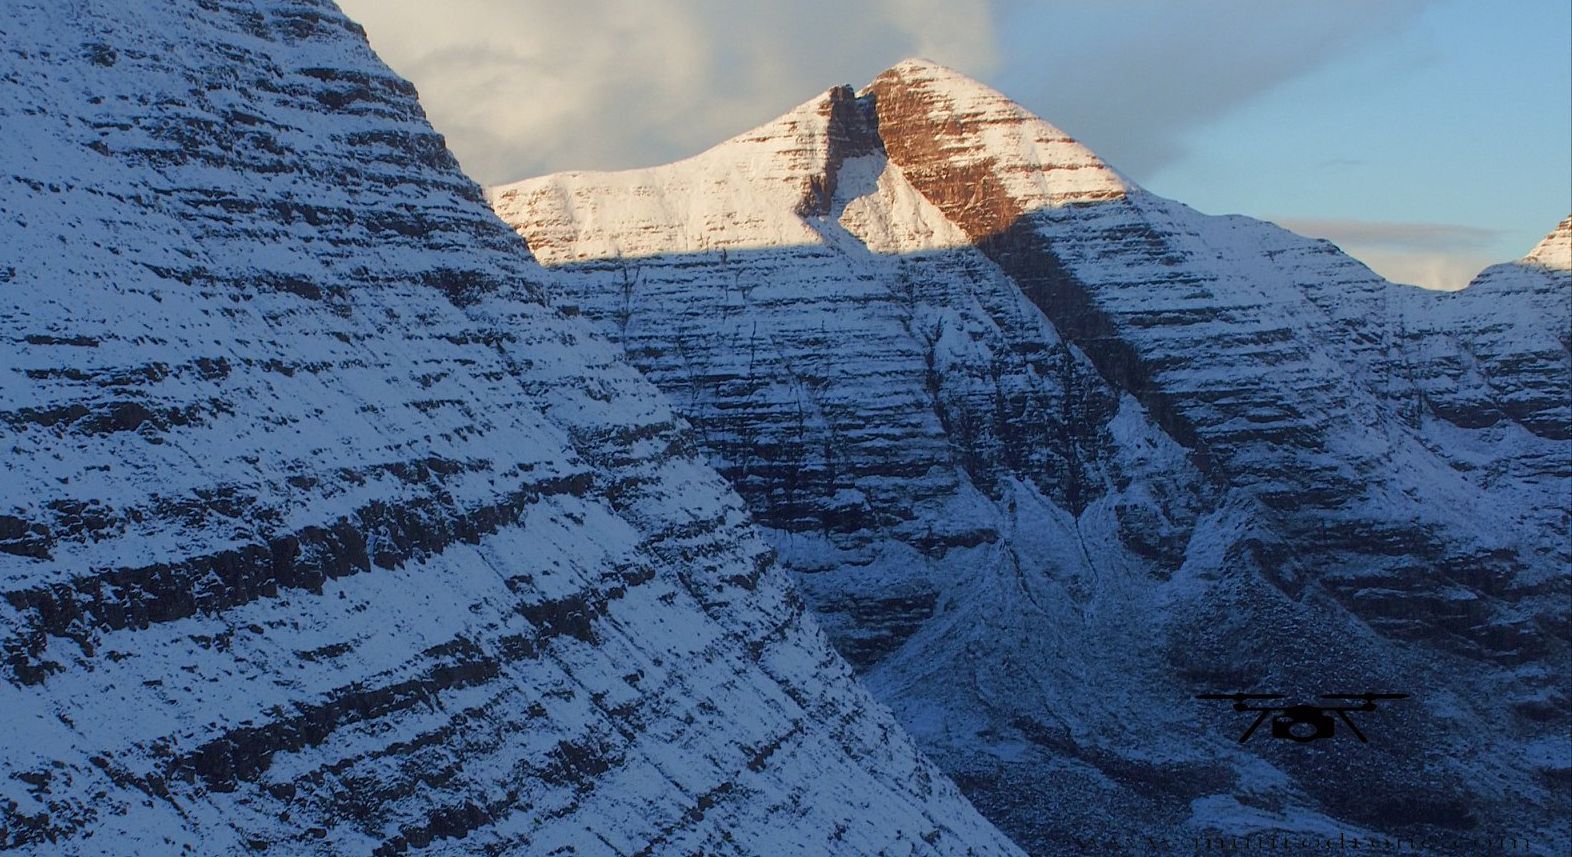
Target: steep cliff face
point(321, 533)
point(1050, 454)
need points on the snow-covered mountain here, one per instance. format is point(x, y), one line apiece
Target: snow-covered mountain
point(320, 532)
point(1050, 454)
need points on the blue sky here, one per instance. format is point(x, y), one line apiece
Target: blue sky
point(1460, 119)
point(1427, 137)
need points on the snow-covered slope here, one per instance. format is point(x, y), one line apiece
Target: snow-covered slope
point(1050, 454)
point(1497, 350)
point(321, 533)
point(1552, 256)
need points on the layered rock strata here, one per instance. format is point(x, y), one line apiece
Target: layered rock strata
point(322, 533)
point(1050, 454)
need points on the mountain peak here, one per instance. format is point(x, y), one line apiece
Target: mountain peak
point(1555, 251)
point(995, 406)
point(981, 157)
point(915, 67)
point(969, 97)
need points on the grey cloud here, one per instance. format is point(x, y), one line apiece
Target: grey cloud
point(524, 87)
point(1131, 77)
point(1416, 237)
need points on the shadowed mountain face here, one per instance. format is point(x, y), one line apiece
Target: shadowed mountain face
point(1049, 455)
point(320, 533)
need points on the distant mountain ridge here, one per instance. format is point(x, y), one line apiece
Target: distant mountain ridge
point(1050, 454)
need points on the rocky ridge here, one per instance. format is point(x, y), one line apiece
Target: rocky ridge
point(320, 532)
point(1050, 454)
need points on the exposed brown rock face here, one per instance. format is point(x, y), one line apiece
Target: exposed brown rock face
point(851, 131)
point(1050, 455)
point(944, 152)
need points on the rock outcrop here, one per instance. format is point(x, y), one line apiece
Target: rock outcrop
point(321, 533)
point(1049, 454)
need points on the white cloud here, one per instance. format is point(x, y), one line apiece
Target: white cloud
point(524, 87)
point(1432, 270)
